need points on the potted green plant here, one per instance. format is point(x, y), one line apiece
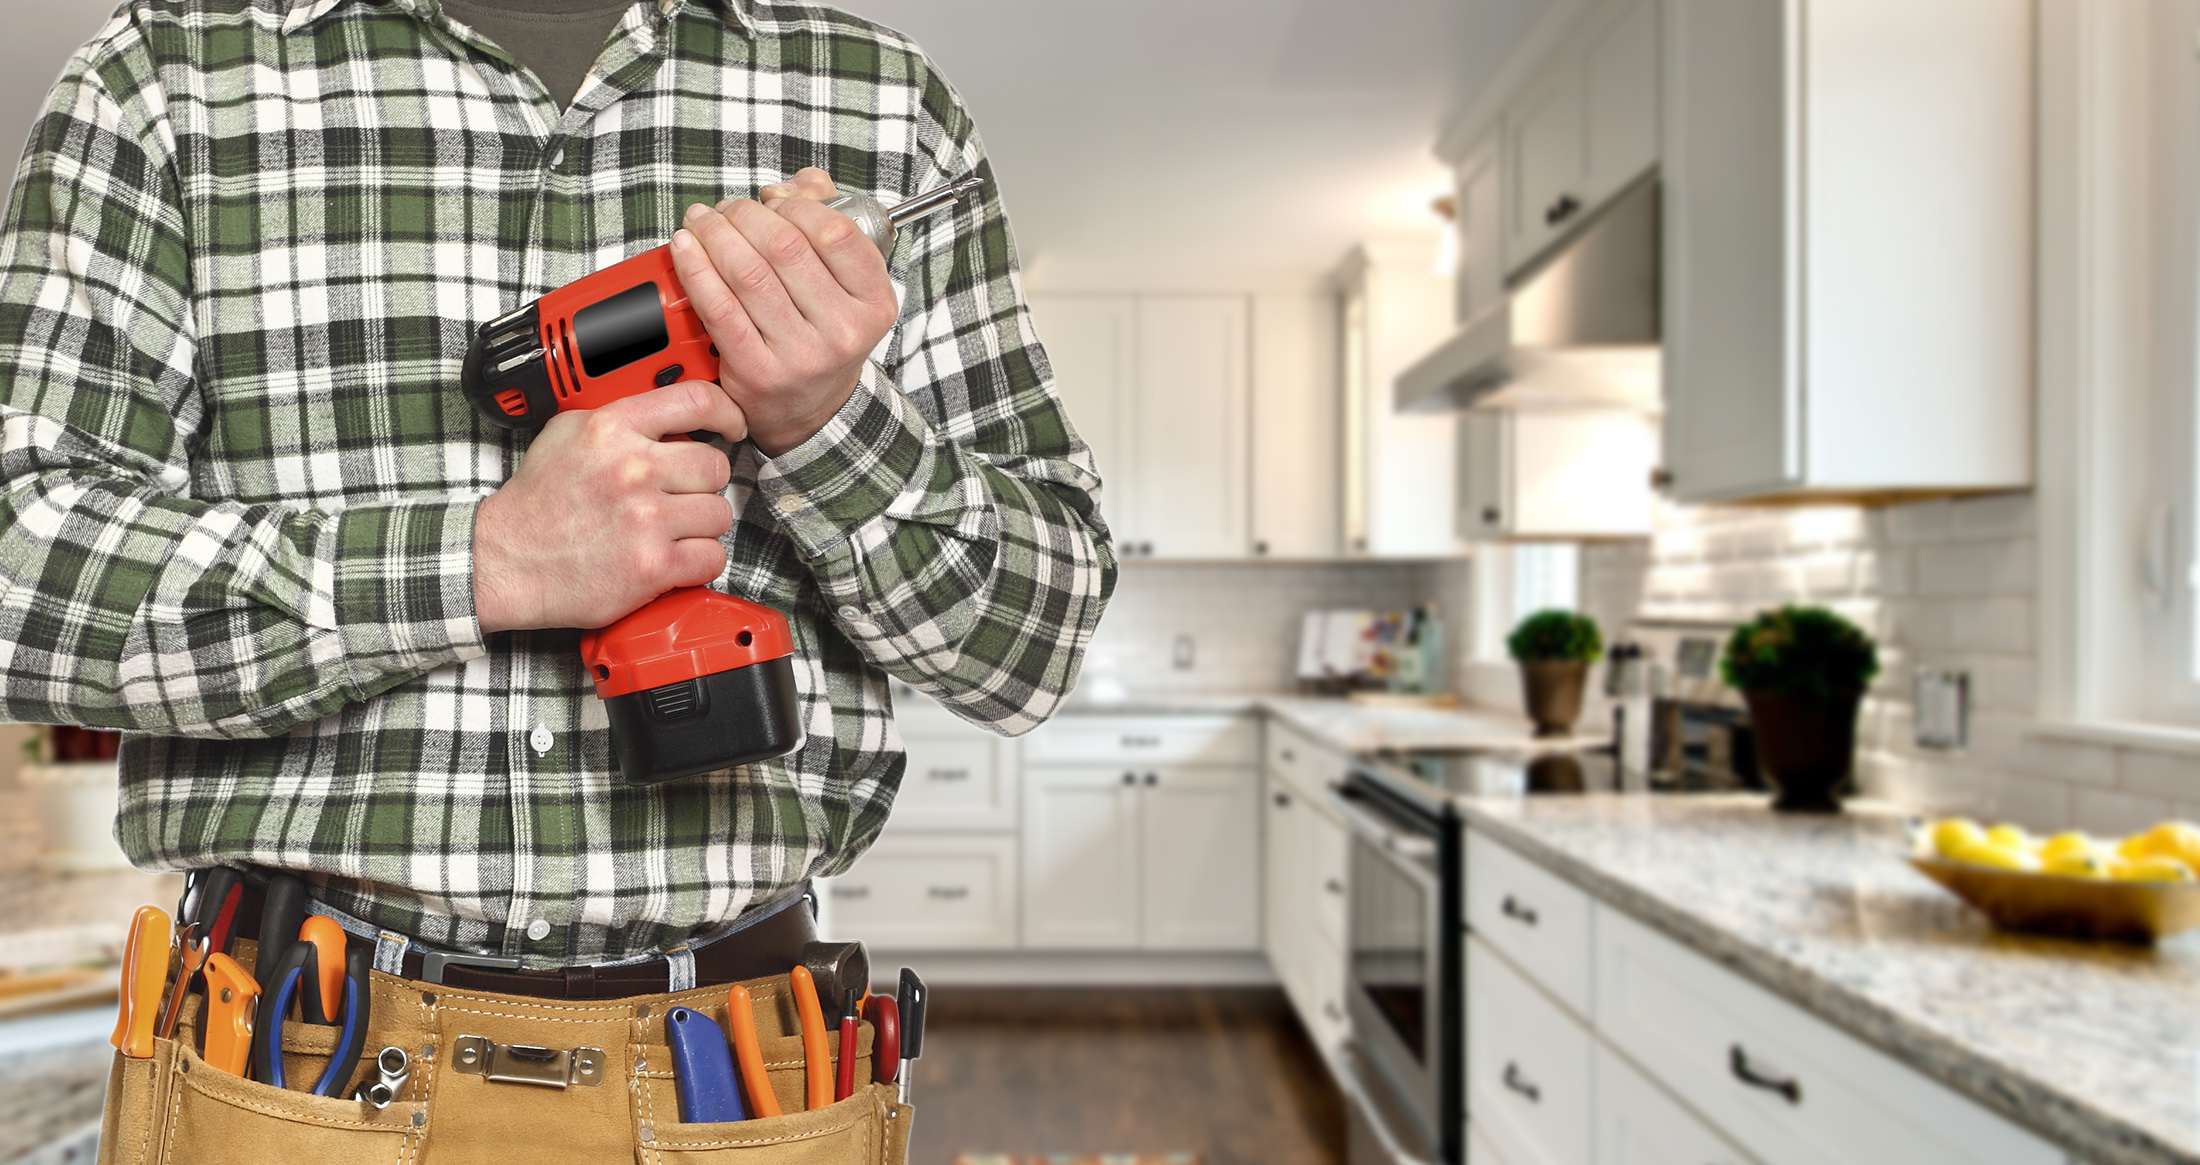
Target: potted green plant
point(1803, 671)
point(1554, 649)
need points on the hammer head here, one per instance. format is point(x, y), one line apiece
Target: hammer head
point(837, 968)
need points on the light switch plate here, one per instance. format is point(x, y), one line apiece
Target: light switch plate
point(1943, 707)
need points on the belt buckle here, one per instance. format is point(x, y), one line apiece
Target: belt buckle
point(433, 962)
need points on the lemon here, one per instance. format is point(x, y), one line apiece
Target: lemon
point(2076, 864)
point(2000, 857)
point(2156, 868)
point(2068, 843)
point(1954, 833)
point(2012, 836)
point(2170, 839)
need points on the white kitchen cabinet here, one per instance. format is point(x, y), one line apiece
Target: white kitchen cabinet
point(1303, 888)
point(1556, 473)
point(1583, 129)
point(1397, 467)
point(930, 891)
point(1190, 428)
point(1080, 880)
point(1142, 833)
point(1783, 1084)
point(1638, 1124)
point(1091, 342)
point(1295, 418)
point(1537, 919)
point(1287, 916)
point(1847, 306)
point(1529, 1066)
point(1480, 190)
point(1199, 859)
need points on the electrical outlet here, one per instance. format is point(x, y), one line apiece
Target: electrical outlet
point(1183, 653)
point(1943, 707)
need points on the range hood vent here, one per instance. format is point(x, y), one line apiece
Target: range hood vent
point(1579, 330)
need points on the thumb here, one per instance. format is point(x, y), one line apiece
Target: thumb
point(681, 408)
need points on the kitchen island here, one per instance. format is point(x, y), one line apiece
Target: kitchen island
point(2095, 1046)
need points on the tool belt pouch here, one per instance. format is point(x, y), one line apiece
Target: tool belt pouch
point(172, 1107)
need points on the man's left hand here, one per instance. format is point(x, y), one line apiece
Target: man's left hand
point(795, 298)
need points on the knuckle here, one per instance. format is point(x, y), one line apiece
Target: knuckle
point(789, 246)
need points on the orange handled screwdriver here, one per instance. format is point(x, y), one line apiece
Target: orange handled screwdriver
point(231, 995)
point(741, 1024)
point(144, 972)
point(817, 1057)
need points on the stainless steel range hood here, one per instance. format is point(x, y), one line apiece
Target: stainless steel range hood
point(1581, 329)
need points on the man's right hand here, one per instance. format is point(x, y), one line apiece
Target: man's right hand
point(605, 515)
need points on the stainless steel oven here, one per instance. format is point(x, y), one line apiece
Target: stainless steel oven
point(1402, 989)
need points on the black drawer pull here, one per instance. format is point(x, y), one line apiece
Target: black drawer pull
point(851, 892)
point(950, 893)
point(1520, 1084)
point(1737, 1061)
point(1289, 755)
point(1333, 886)
point(948, 774)
point(1512, 909)
point(1283, 800)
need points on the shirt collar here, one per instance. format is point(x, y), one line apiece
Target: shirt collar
point(304, 12)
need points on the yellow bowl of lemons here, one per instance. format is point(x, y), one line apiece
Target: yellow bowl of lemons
point(2138, 888)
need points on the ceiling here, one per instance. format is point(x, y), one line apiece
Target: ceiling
point(1210, 143)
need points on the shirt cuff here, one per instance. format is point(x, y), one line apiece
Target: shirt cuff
point(400, 588)
point(870, 459)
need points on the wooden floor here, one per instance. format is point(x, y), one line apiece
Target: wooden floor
point(1225, 1073)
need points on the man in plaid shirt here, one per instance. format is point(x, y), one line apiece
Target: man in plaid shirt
point(250, 520)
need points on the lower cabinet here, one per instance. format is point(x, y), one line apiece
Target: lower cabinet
point(1676, 1060)
point(1127, 851)
point(930, 891)
point(1304, 863)
point(1528, 1066)
point(1638, 1124)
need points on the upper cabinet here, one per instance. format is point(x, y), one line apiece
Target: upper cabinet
point(1848, 248)
point(1397, 467)
point(1584, 127)
point(1213, 418)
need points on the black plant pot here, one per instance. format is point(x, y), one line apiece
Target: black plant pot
point(1806, 748)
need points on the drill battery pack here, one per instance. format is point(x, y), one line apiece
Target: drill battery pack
point(695, 682)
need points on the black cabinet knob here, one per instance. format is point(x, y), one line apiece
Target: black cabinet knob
point(1560, 210)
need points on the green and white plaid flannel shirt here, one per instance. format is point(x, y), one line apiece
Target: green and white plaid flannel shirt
point(245, 252)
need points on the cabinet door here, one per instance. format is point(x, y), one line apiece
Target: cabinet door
point(1286, 914)
point(1080, 858)
point(1091, 340)
point(1620, 84)
point(1199, 832)
point(1544, 163)
point(1484, 467)
point(1189, 427)
point(1528, 1066)
point(1481, 229)
point(1295, 417)
point(1638, 1124)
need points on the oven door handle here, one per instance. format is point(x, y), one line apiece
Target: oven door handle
point(1394, 1153)
point(1368, 826)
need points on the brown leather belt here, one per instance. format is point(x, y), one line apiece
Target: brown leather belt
point(770, 946)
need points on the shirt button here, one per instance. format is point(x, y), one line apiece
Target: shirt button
point(853, 614)
point(557, 159)
point(539, 929)
point(539, 740)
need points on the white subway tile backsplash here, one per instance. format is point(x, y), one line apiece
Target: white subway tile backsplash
point(2110, 813)
point(1999, 516)
point(1916, 523)
point(2160, 774)
point(1975, 568)
point(1991, 625)
point(2032, 802)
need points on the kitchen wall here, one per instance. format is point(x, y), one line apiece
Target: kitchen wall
point(1941, 584)
point(1243, 620)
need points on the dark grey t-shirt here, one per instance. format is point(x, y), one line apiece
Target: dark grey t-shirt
point(557, 39)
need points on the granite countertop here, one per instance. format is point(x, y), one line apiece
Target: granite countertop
point(2094, 1045)
point(1356, 728)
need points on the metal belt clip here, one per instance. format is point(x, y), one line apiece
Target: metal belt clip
point(524, 1064)
point(433, 962)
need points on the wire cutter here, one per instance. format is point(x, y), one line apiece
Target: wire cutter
point(299, 969)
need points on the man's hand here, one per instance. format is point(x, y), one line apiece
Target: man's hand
point(794, 296)
point(604, 515)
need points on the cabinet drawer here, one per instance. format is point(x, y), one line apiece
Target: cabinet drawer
point(1541, 922)
point(1327, 1023)
point(1528, 1066)
point(956, 781)
point(1142, 740)
point(1329, 853)
point(929, 892)
point(1638, 1124)
point(1784, 1085)
point(1309, 768)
